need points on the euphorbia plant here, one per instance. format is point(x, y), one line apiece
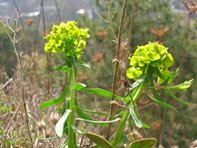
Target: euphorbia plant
point(149, 68)
point(69, 40)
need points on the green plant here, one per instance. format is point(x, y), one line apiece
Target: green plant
point(150, 70)
point(68, 40)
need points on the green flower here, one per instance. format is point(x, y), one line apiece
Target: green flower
point(66, 38)
point(133, 73)
point(154, 55)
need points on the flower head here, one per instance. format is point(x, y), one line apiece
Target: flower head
point(154, 55)
point(66, 38)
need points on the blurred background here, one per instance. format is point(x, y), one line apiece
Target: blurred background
point(169, 22)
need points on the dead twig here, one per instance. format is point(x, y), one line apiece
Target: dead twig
point(13, 116)
point(4, 85)
point(116, 64)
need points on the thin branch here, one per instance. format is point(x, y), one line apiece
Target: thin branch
point(183, 51)
point(8, 125)
point(21, 22)
point(131, 23)
point(4, 85)
point(116, 64)
point(58, 10)
point(100, 16)
point(47, 56)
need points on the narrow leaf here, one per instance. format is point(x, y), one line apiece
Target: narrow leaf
point(81, 114)
point(183, 86)
point(163, 104)
point(101, 92)
point(157, 99)
point(171, 77)
point(176, 98)
point(102, 123)
point(136, 119)
point(100, 141)
point(54, 101)
point(143, 143)
point(79, 86)
point(94, 112)
point(85, 65)
point(134, 94)
point(59, 127)
point(63, 68)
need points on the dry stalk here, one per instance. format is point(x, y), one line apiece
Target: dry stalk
point(109, 19)
point(131, 23)
point(4, 85)
point(47, 55)
point(10, 122)
point(21, 68)
point(191, 10)
point(22, 25)
point(116, 64)
point(58, 10)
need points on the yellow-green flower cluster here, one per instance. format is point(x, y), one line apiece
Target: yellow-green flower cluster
point(154, 55)
point(66, 38)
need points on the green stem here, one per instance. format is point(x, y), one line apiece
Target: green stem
point(71, 134)
point(119, 130)
point(123, 120)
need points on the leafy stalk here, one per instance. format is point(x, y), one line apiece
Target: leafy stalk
point(120, 128)
point(123, 120)
point(71, 133)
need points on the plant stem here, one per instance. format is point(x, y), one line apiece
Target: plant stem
point(71, 134)
point(123, 120)
point(121, 125)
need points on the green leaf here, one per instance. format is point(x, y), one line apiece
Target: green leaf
point(176, 98)
point(136, 118)
point(100, 141)
point(56, 100)
point(59, 127)
point(97, 139)
point(156, 98)
point(79, 86)
point(168, 60)
point(82, 114)
point(63, 67)
point(101, 92)
point(102, 123)
point(143, 143)
point(134, 94)
point(94, 112)
point(162, 103)
point(171, 77)
point(84, 65)
point(183, 86)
